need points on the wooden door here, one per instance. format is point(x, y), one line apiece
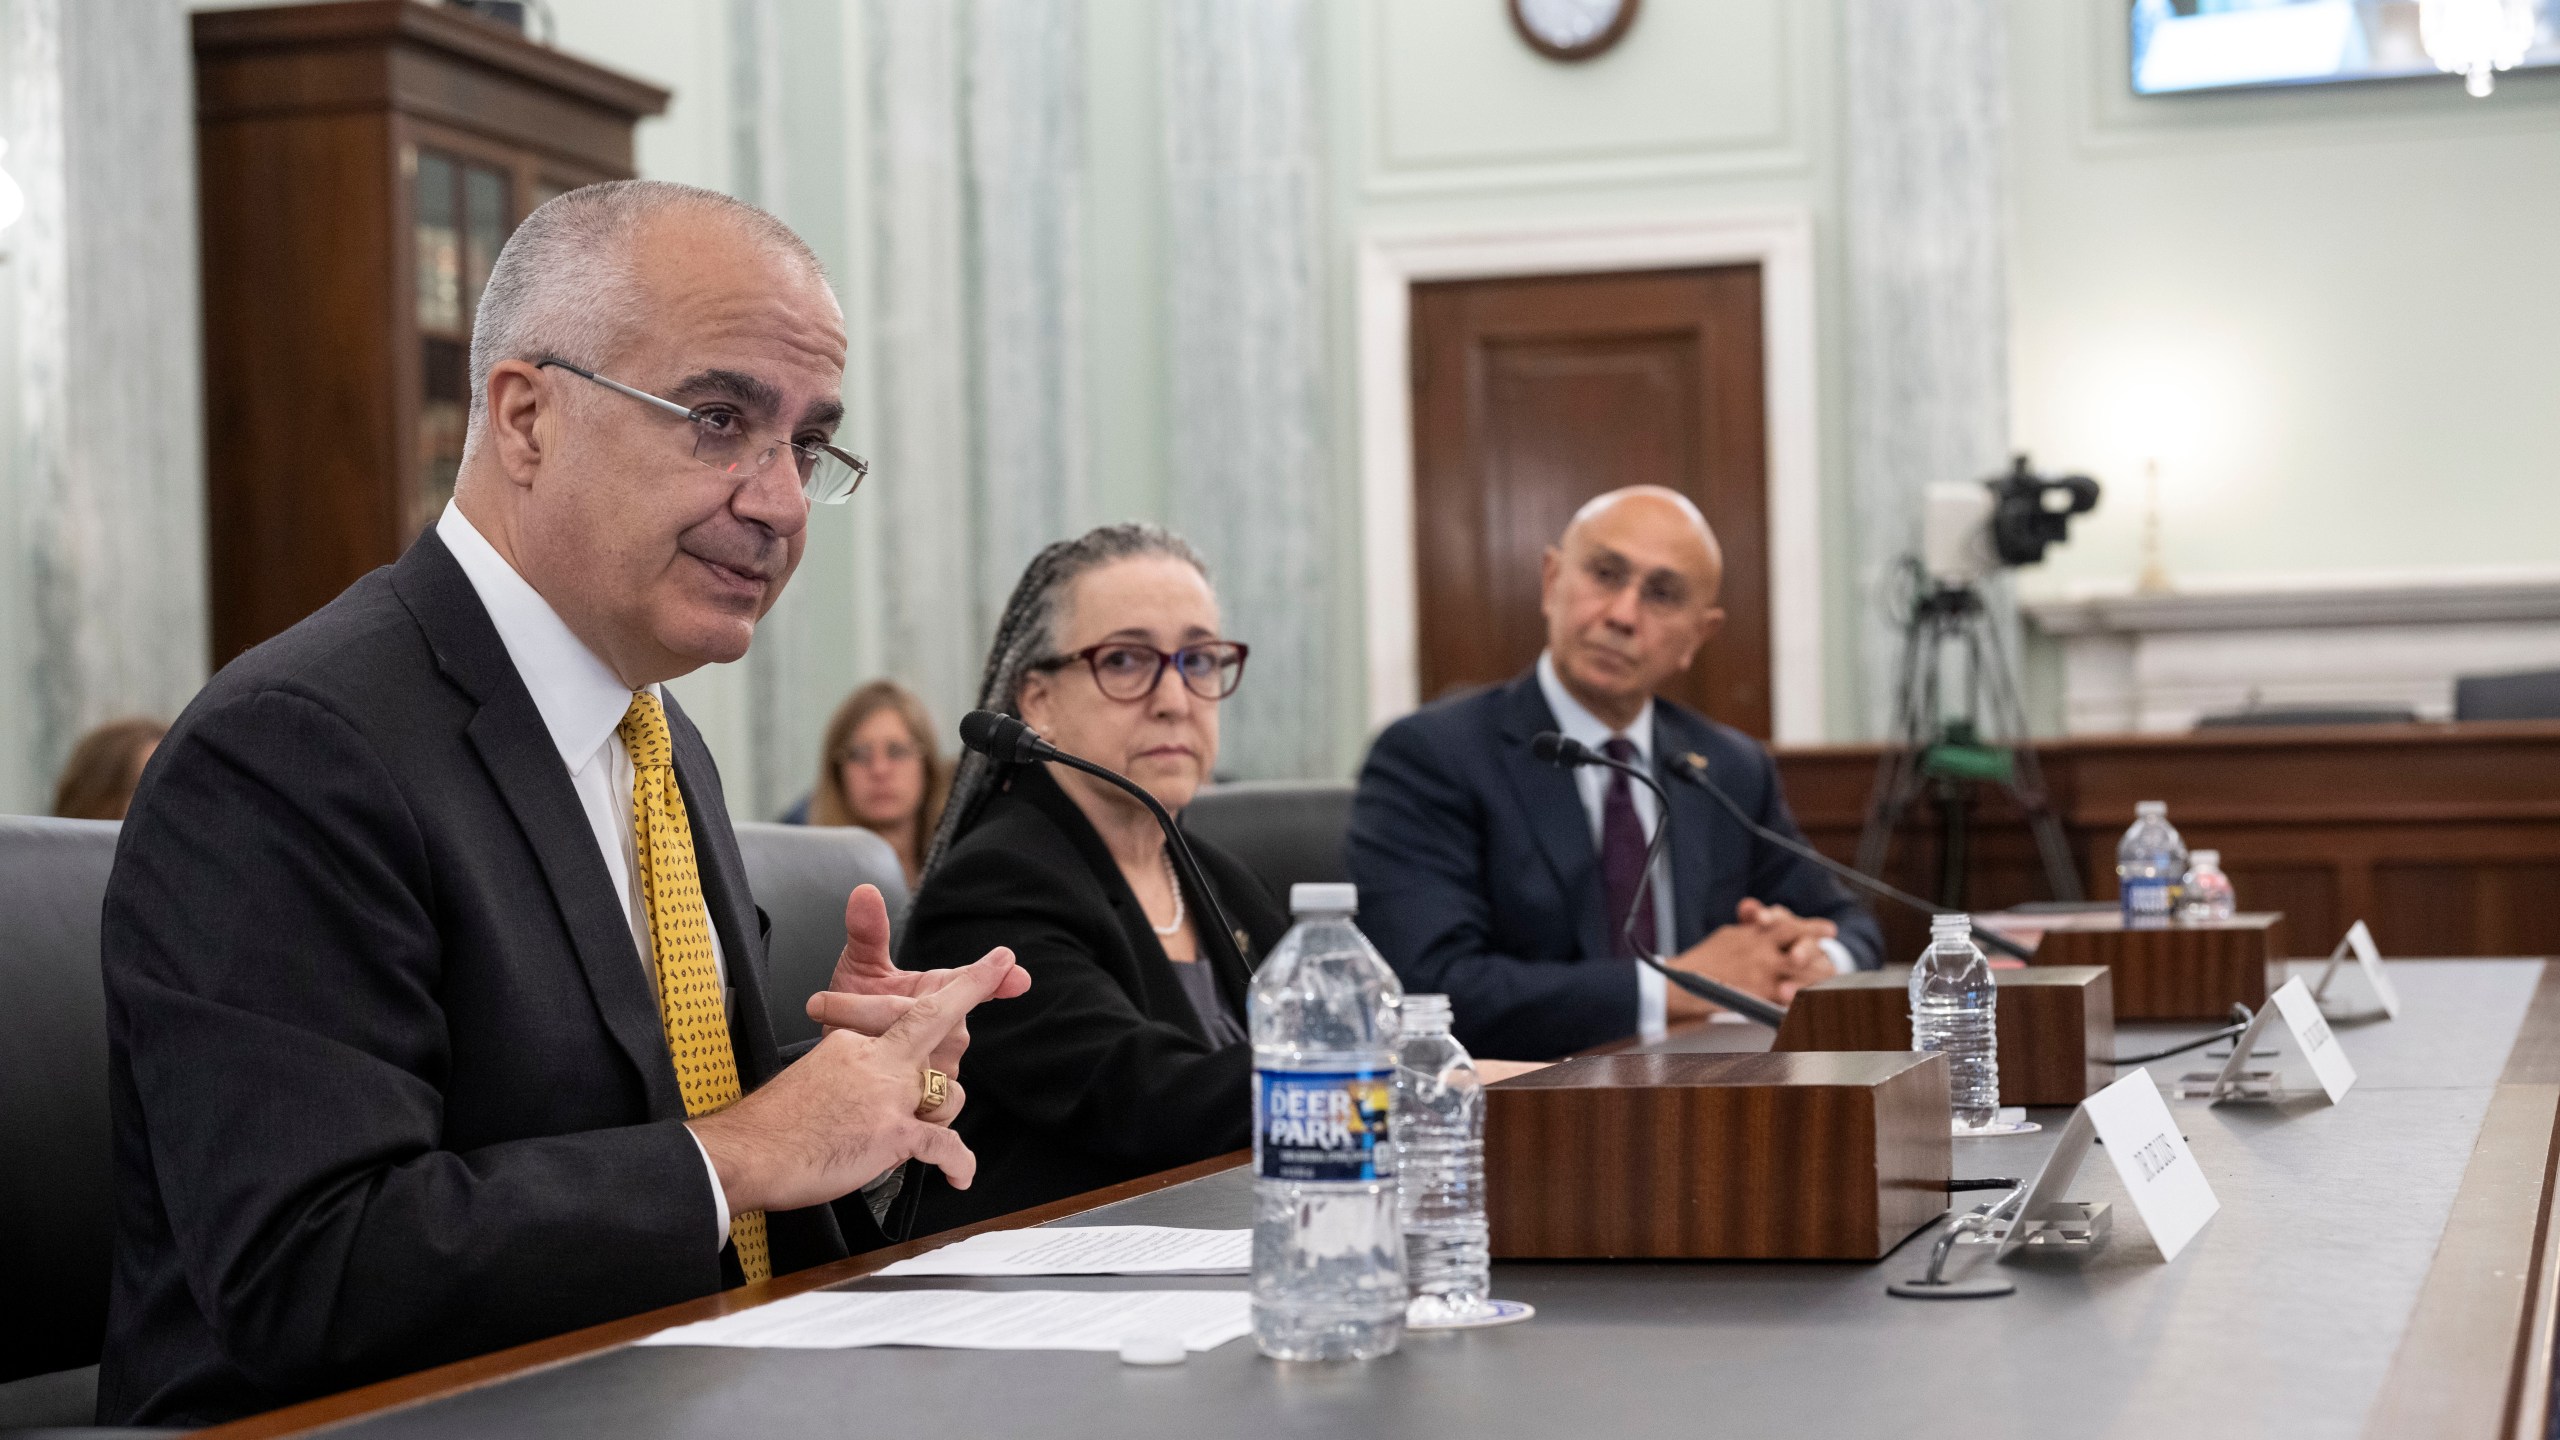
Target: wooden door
point(1533, 395)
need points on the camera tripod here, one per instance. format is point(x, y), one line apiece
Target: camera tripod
point(1948, 755)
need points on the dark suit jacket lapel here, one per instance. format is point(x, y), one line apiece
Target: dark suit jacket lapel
point(516, 747)
point(1693, 824)
point(724, 892)
point(1553, 804)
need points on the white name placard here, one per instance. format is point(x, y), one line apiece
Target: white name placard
point(2151, 1158)
point(2313, 1038)
point(2293, 1007)
point(2368, 958)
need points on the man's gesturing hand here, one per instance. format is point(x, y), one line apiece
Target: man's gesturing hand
point(868, 991)
point(846, 1111)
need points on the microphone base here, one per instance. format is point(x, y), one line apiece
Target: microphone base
point(1972, 1287)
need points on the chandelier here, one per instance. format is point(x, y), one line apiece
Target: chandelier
point(2475, 38)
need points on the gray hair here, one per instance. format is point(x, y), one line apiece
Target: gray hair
point(1027, 635)
point(566, 284)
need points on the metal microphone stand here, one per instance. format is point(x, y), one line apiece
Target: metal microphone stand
point(1007, 738)
point(1569, 753)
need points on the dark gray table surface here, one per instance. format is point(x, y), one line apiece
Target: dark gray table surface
point(2279, 1320)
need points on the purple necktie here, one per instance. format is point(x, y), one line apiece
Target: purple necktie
point(1622, 850)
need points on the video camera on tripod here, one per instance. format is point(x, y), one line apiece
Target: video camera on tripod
point(1972, 529)
point(1950, 737)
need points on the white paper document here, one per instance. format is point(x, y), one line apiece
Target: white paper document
point(977, 1320)
point(1090, 1250)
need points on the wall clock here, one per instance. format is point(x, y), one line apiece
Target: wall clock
point(1572, 29)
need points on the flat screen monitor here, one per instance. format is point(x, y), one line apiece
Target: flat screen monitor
point(2183, 45)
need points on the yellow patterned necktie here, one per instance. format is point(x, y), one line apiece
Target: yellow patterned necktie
point(689, 1002)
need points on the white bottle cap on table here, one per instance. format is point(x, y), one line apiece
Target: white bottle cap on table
point(1153, 1349)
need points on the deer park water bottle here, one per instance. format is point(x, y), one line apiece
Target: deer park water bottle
point(1328, 1254)
point(1954, 1012)
point(1439, 1130)
point(2150, 862)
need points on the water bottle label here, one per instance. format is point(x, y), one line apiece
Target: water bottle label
point(1322, 1124)
point(2148, 898)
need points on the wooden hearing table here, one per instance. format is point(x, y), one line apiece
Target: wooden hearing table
point(2382, 1267)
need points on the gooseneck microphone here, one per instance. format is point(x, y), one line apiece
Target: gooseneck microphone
point(1566, 753)
point(1692, 767)
point(1007, 740)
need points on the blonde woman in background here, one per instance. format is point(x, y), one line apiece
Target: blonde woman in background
point(880, 769)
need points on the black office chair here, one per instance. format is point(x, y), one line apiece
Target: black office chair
point(800, 875)
point(2525, 695)
point(1285, 831)
point(56, 1201)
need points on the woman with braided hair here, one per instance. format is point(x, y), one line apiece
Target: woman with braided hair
point(1129, 1053)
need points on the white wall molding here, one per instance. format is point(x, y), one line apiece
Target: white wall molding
point(1779, 241)
point(1689, 59)
point(1392, 181)
point(2419, 597)
point(2136, 662)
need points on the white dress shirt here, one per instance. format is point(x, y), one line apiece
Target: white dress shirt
point(1577, 723)
point(582, 703)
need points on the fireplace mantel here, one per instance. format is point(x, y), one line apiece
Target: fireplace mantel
point(2155, 662)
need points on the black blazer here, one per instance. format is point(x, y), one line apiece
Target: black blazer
point(1102, 1072)
point(389, 1086)
point(1478, 877)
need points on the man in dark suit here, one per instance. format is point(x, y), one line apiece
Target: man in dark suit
point(435, 990)
point(1502, 881)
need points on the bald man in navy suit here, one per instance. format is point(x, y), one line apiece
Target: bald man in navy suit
point(1501, 881)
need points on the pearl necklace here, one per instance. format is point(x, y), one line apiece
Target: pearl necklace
point(1175, 880)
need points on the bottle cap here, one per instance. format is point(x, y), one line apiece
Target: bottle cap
point(1426, 1014)
point(1154, 1348)
point(2151, 808)
point(2205, 859)
point(1309, 898)
point(1958, 924)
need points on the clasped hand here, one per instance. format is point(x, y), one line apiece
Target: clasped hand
point(845, 1112)
point(1769, 951)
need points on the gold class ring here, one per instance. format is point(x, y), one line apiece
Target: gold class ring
point(937, 1088)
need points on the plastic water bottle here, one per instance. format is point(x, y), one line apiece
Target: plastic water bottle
point(2150, 862)
point(2207, 890)
point(1954, 1011)
point(1328, 1256)
point(1439, 1130)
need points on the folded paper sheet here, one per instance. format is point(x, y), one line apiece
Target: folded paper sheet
point(977, 1320)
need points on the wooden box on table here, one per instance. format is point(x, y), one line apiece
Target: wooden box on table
point(2185, 971)
point(2056, 1025)
point(1825, 1156)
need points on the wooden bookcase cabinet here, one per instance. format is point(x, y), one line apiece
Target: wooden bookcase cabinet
point(359, 164)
